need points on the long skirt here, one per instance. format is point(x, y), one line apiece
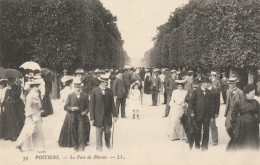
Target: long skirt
point(246, 133)
point(47, 106)
point(176, 129)
point(72, 133)
point(12, 120)
point(31, 137)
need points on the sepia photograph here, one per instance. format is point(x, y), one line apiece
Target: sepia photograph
point(129, 82)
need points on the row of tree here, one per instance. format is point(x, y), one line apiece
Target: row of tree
point(60, 34)
point(209, 35)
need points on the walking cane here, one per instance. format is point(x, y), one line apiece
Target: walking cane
point(113, 134)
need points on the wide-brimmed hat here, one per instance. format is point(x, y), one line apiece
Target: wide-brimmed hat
point(66, 78)
point(173, 71)
point(204, 79)
point(97, 71)
point(190, 72)
point(79, 71)
point(180, 81)
point(213, 73)
point(34, 82)
point(65, 71)
point(232, 80)
point(77, 82)
point(156, 70)
point(223, 73)
point(103, 78)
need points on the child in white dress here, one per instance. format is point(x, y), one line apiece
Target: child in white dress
point(135, 100)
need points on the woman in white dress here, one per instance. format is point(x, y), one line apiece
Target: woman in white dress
point(177, 103)
point(32, 136)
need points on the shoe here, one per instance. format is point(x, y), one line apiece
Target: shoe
point(215, 143)
point(108, 145)
point(19, 148)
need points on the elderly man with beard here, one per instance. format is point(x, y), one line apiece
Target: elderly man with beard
point(102, 110)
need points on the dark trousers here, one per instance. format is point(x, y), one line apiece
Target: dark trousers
point(99, 136)
point(224, 95)
point(167, 108)
point(80, 133)
point(202, 124)
point(230, 132)
point(122, 102)
point(214, 131)
point(154, 92)
point(165, 97)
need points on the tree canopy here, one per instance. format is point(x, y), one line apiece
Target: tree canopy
point(210, 34)
point(60, 34)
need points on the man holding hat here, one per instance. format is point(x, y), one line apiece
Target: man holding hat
point(234, 94)
point(155, 86)
point(200, 105)
point(102, 109)
point(224, 83)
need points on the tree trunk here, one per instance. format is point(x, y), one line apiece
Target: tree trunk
point(250, 78)
point(55, 86)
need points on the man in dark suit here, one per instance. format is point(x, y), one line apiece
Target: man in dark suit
point(170, 85)
point(120, 91)
point(102, 109)
point(201, 110)
point(155, 86)
point(215, 108)
point(127, 76)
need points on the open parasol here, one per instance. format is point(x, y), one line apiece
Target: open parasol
point(31, 65)
point(8, 73)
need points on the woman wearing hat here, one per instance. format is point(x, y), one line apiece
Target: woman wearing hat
point(32, 133)
point(76, 126)
point(177, 103)
point(245, 121)
point(13, 108)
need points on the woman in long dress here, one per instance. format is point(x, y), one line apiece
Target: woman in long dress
point(245, 121)
point(13, 111)
point(76, 127)
point(32, 136)
point(177, 103)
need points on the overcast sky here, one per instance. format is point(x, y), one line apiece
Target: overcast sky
point(137, 22)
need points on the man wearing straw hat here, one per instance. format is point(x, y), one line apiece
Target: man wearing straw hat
point(102, 109)
point(234, 94)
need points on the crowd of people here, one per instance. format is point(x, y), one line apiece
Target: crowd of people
point(97, 98)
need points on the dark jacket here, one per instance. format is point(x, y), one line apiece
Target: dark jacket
point(82, 102)
point(156, 81)
point(170, 85)
point(127, 76)
point(73, 101)
point(120, 88)
point(201, 105)
point(94, 83)
point(215, 100)
point(102, 107)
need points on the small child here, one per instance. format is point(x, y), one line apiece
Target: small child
point(135, 98)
